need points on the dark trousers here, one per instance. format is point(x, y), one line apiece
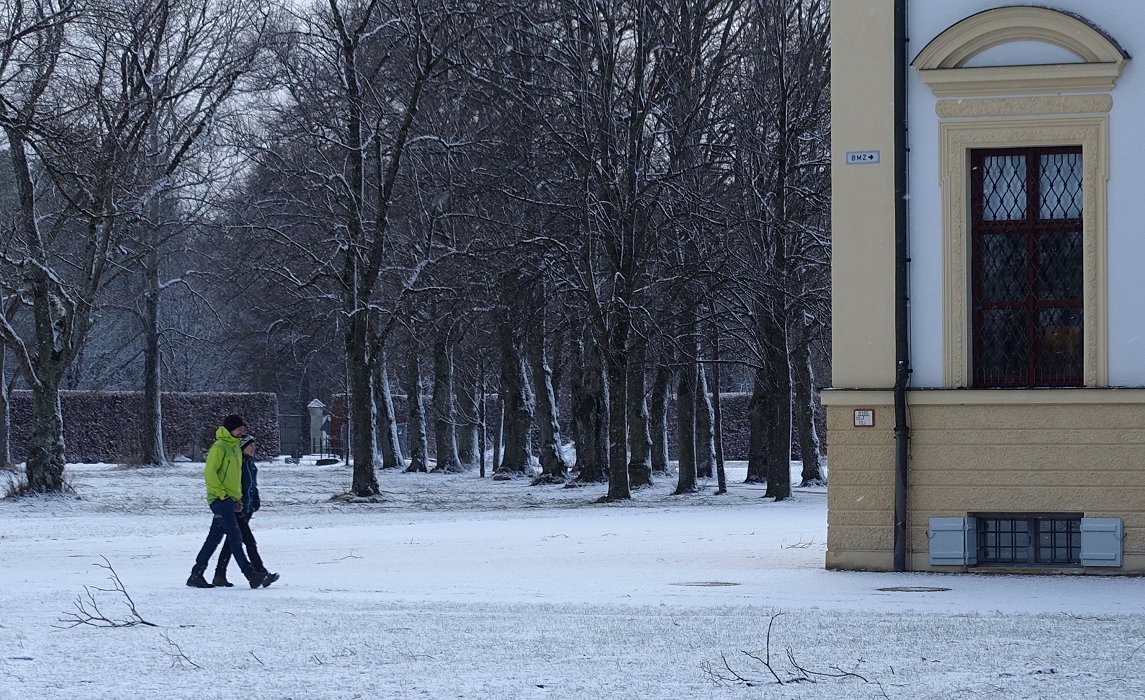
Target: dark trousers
point(224, 524)
point(251, 548)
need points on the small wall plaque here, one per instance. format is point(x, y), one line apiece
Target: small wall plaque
point(864, 417)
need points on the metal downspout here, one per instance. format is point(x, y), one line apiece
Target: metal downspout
point(902, 344)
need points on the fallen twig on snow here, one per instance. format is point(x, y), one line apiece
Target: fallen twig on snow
point(796, 673)
point(87, 610)
point(178, 658)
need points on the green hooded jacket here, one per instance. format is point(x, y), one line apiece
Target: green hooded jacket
point(224, 470)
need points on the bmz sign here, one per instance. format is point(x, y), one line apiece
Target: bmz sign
point(862, 157)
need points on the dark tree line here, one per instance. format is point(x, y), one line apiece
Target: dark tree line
point(587, 206)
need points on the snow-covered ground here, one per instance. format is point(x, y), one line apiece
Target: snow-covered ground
point(460, 587)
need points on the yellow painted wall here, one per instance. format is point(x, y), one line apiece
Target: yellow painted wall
point(986, 451)
point(862, 208)
point(860, 498)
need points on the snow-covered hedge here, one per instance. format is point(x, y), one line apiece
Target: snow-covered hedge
point(106, 426)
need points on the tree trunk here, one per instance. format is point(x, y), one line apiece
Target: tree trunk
point(387, 420)
point(444, 416)
point(553, 465)
point(618, 484)
point(705, 418)
point(415, 411)
point(559, 363)
point(639, 431)
point(757, 431)
point(45, 465)
point(5, 413)
point(519, 407)
point(686, 430)
point(581, 410)
point(718, 419)
point(779, 408)
point(152, 452)
point(499, 437)
point(618, 363)
point(363, 421)
point(805, 419)
point(774, 318)
point(484, 414)
point(469, 420)
point(659, 417)
point(590, 413)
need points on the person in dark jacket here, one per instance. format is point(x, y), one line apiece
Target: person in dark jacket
point(251, 503)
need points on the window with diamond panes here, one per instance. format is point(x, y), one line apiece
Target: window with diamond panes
point(1025, 539)
point(1026, 267)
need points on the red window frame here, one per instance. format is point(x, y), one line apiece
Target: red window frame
point(1031, 228)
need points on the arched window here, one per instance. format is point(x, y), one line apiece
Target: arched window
point(1024, 159)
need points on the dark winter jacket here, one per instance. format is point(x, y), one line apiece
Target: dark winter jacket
point(251, 501)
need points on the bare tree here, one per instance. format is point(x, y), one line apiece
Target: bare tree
point(356, 76)
point(780, 168)
point(210, 46)
point(82, 86)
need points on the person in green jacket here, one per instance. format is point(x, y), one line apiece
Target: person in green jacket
point(251, 503)
point(223, 474)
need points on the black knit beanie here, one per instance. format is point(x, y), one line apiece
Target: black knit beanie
point(232, 421)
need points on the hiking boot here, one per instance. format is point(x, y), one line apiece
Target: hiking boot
point(269, 579)
point(198, 581)
point(221, 581)
point(256, 578)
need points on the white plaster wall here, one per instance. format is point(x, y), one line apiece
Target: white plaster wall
point(1124, 20)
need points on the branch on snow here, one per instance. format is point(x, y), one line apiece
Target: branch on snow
point(724, 674)
point(87, 610)
point(179, 659)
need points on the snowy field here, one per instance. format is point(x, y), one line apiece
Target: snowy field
point(460, 587)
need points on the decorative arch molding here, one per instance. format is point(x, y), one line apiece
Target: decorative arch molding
point(973, 35)
point(941, 63)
